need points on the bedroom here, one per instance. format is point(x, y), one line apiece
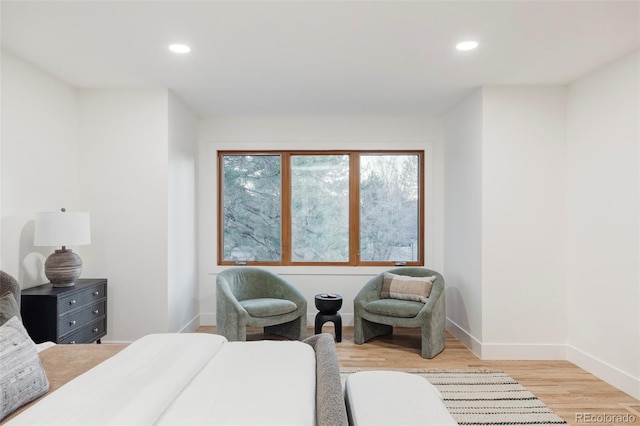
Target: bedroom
point(506, 220)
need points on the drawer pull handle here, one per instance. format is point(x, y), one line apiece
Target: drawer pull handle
point(72, 302)
point(96, 312)
point(96, 293)
point(72, 322)
point(95, 330)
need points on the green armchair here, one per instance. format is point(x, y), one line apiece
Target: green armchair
point(253, 297)
point(376, 316)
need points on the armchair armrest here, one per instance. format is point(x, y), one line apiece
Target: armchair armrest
point(371, 291)
point(227, 301)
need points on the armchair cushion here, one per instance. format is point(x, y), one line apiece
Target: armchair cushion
point(394, 308)
point(406, 287)
point(268, 307)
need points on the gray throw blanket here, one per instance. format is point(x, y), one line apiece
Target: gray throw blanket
point(330, 406)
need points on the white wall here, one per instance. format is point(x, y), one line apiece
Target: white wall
point(315, 133)
point(603, 223)
point(183, 290)
point(123, 184)
point(504, 186)
point(128, 158)
point(138, 180)
point(558, 274)
point(39, 169)
point(523, 295)
point(463, 220)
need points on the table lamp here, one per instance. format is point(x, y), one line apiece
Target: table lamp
point(63, 228)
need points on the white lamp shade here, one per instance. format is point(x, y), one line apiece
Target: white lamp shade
point(62, 229)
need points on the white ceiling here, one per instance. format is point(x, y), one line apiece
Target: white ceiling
point(319, 57)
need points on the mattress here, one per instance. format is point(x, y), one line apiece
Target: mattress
point(188, 379)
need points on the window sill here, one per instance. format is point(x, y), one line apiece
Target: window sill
point(314, 270)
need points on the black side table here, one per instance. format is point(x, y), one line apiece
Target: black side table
point(329, 304)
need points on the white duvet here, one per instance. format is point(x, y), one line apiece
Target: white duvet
point(188, 379)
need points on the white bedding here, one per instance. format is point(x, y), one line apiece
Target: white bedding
point(44, 345)
point(251, 383)
point(185, 379)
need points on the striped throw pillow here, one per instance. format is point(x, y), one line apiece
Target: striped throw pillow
point(22, 378)
point(404, 287)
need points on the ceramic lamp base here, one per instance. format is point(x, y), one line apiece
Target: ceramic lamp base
point(63, 268)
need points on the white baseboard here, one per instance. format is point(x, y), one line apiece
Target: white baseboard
point(467, 339)
point(191, 326)
point(347, 319)
point(535, 351)
point(504, 351)
point(610, 374)
point(207, 319)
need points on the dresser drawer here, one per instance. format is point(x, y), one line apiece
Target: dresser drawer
point(78, 299)
point(75, 320)
point(90, 333)
point(65, 314)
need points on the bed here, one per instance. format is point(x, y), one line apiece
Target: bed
point(189, 378)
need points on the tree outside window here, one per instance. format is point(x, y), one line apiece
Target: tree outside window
point(314, 208)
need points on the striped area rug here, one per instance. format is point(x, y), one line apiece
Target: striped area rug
point(488, 398)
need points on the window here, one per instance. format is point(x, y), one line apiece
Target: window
point(251, 207)
point(321, 208)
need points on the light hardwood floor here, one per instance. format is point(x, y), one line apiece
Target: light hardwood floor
point(568, 390)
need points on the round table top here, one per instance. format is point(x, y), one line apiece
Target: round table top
point(328, 296)
point(328, 302)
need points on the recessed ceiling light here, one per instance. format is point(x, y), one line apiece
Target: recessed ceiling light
point(467, 45)
point(179, 48)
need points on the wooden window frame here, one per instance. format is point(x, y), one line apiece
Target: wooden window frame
point(354, 207)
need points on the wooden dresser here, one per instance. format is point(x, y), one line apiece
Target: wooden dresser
point(76, 314)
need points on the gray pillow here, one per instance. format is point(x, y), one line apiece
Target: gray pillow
point(8, 308)
point(22, 378)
